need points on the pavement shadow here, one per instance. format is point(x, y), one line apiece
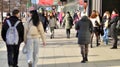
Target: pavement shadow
point(104, 63)
point(58, 57)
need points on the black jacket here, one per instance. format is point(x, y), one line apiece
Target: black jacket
point(84, 27)
point(20, 28)
point(44, 21)
point(112, 25)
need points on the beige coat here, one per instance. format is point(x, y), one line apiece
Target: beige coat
point(32, 31)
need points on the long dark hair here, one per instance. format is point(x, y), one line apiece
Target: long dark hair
point(35, 17)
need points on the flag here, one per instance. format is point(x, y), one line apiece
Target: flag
point(81, 2)
point(46, 2)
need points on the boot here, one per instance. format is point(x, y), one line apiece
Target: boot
point(29, 64)
point(91, 46)
point(51, 37)
point(97, 43)
point(86, 55)
point(83, 61)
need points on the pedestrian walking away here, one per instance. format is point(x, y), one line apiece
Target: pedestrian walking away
point(43, 18)
point(68, 23)
point(12, 34)
point(84, 27)
point(33, 32)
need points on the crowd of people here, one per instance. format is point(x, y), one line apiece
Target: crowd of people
point(103, 28)
point(37, 22)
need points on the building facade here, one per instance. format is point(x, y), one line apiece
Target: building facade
point(103, 5)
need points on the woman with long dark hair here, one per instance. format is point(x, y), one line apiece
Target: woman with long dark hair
point(33, 31)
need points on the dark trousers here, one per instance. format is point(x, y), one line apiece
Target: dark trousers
point(96, 32)
point(115, 40)
point(114, 35)
point(52, 31)
point(12, 54)
point(68, 33)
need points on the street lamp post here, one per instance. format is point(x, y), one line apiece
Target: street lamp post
point(20, 9)
point(9, 6)
point(2, 11)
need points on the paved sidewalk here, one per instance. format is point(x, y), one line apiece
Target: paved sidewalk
point(63, 52)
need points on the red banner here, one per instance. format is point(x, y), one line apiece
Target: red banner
point(46, 2)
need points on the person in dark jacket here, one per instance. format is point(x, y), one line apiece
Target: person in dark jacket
point(113, 30)
point(84, 27)
point(13, 50)
point(43, 19)
point(7, 16)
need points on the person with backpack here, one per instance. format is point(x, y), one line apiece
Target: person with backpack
point(13, 34)
point(33, 32)
point(68, 23)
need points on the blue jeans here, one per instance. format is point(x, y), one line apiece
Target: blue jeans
point(105, 36)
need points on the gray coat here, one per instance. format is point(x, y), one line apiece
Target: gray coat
point(84, 27)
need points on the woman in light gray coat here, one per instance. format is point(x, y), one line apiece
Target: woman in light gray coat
point(68, 23)
point(84, 27)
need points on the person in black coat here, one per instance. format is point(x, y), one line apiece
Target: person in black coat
point(84, 27)
point(113, 30)
point(43, 19)
point(13, 50)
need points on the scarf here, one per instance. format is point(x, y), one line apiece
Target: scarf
point(114, 15)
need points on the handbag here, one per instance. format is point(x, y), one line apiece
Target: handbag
point(96, 23)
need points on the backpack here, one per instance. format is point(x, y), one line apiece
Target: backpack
point(12, 34)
